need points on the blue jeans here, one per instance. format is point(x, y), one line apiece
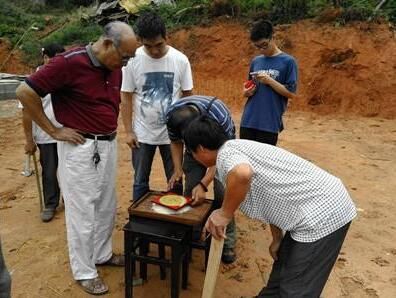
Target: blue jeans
point(142, 160)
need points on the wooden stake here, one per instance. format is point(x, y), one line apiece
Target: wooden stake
point(38, 182)
point(216, 249)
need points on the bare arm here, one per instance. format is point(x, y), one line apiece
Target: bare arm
point(30, 145)
point(247, 92)
point(238, 185)
point(209, 176)
point(277, 236)
point(274, 84)
point(276, 232)
point(177, 158)
point(33, 108)
point(127, 114)
point(199, 192)
point(32, 105)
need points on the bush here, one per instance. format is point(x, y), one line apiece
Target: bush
point(357, 10)
point(286, 11)
point(390, 10)
point(75, 33)
point(184, 13)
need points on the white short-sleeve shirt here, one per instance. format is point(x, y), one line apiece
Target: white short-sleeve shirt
point(39, 135)
point(288, 191)
point(156, 84)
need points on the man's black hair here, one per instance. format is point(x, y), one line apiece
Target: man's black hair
point(206, 132)
point(150, 25)
point(52, 49)
point(179, 118)
point(261, 29)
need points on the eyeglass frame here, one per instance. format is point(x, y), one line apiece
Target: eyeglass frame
point(124, 59)
point(259, 46)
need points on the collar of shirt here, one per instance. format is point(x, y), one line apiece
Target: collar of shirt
point(92, 57)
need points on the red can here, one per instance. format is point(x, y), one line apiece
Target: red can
point(249, 84)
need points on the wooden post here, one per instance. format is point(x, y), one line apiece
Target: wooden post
point(36, 172)
point(216, 249)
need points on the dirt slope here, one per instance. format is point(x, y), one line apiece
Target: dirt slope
point(345, 73)
point(345, 70)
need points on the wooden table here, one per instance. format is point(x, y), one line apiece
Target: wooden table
point(193, 217)
point(149, 226)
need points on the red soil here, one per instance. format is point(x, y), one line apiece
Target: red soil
point(12, 63)
point(344, 70)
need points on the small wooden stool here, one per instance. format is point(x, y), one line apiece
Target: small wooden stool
point(174, 230)
point(147, 231)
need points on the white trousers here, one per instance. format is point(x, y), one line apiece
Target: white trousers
point(90, 203)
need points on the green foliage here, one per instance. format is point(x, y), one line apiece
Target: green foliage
point(247, 6)
point(184, 13)
point(18, 16)
point(77, 33)
point(286, 11)
point(390, 10)
point(14, 21)
point(357, 10)
point(25, 25)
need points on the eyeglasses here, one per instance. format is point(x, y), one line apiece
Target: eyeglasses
point(124, 58)
point(263, 45)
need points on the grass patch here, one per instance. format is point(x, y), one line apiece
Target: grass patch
point(61, 21)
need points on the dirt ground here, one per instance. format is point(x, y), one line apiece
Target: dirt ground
point(344, 120)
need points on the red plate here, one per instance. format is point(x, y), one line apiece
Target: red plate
point(157, 200)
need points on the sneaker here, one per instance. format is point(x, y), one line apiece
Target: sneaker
point(47, 215)
point(228, 256)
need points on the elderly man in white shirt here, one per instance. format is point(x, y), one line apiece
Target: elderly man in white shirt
point(309, 210)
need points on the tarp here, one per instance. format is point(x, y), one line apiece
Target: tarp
point(132, 6)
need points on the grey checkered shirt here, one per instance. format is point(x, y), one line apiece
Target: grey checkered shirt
point(288, 191)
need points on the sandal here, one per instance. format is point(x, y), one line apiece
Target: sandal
point(94, 286)
point(228, 256)
point(115, 260)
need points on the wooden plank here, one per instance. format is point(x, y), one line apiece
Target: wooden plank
point(195, 216)
point(216, 249)
point(36, 173)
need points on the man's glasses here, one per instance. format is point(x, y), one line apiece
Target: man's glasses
point(124, 58)
point(263, 45)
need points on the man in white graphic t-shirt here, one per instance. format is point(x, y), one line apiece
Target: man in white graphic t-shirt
point(155, 78)
point(34, 135)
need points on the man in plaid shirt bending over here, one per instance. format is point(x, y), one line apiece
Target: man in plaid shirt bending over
point(293, 195)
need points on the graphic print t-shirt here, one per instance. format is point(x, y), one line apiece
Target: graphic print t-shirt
point(263, 111)
point(156, 84)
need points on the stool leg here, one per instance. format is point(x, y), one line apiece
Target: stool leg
point(143, 251)
point(128, 268)
point(175, 271)
point(186, 262)
point(161, 250)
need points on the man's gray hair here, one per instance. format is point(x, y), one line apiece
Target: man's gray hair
point(115, 31)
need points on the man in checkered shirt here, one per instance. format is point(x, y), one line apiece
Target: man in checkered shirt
point(293, 195)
